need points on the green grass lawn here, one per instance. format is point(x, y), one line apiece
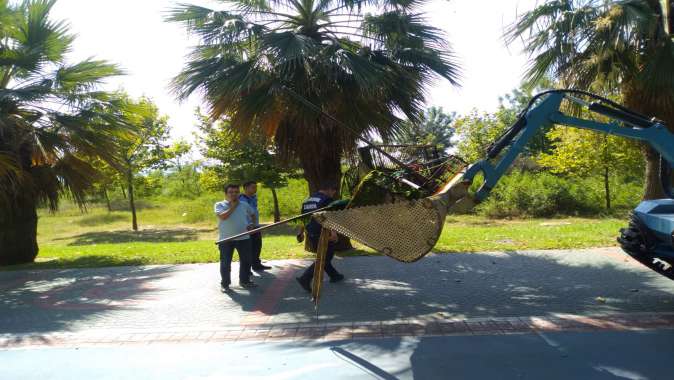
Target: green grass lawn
point(70, 238)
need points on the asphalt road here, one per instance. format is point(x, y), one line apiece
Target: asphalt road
point(562, 355)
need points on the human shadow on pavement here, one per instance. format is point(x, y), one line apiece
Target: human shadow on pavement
point(264, 298)
point(250, 299)
point(57, 300)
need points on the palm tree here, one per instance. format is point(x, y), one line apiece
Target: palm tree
point(49, 122)
point(433, 128)
point(259, 62)
point(625, 46)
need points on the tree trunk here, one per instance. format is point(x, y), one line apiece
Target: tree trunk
point(277, 212)
point(123, 191)
point(18, 232)
point(651, 103)
point(132, 204)
point(607, 188)
point(325, 169)
point(321, 170)
point(653, 186)
point(107, 199)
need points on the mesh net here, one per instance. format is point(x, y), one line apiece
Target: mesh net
point(405, 231)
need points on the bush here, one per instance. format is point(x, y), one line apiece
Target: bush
point(290, 199)
point(526, 194)
point(200, 209)
point(531, 195)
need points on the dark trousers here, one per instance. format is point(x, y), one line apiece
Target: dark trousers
point(243, 248)
point(329, 269)
point(256, 243)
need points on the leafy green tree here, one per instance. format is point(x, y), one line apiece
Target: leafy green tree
point(363, 62)
point(585, 154)
point(108, 178)
point(142, 150)
point(183, 183)
point(477, 130)
point(241, 159)
point(620, 46)
point(51, 122)
point(434, 127)
point(176, 154)
point(182, 176)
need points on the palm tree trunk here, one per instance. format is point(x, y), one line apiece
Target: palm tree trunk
point(277, 212)
point(18, 232)
point(132, 204)
point(325, 170)
point(639, 102)
point(321, 170)
point(653, 186)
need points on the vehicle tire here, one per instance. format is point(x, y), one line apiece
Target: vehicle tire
point(637, 241)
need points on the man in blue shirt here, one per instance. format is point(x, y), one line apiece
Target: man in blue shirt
point(249, 196)
point(234, 217)
point(319, 199)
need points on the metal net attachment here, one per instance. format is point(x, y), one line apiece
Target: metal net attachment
point(405, 231)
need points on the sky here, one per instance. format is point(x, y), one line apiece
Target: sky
point(134, 35)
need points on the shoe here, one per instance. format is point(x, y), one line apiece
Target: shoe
point(306, 285)
point(339, 277)
point(225, 288)
point(248, 285)
point(261, 267)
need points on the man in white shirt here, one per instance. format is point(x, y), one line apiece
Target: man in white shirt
point(234, 217)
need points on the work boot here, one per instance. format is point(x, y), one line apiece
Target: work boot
point(305, 284)
point(337, 278)
point(248, 285)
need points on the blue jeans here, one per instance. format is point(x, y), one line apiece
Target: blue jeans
point(256, 244)
point(244, 248)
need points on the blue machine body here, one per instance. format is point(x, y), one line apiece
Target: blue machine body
point(658, 217)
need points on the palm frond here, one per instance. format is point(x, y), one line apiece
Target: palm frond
point(85, 75)
point(52, 119)
point(365, 69)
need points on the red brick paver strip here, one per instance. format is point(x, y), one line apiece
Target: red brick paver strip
point(341, 331)
point(266, 305)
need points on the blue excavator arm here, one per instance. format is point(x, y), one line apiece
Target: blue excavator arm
point(547, 112)
point(649, 238)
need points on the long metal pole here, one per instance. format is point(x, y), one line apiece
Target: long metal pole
point(268, 226)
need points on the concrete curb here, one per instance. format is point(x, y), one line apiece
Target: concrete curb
point(342, 331)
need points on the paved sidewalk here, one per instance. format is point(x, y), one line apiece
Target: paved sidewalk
point(494, 293)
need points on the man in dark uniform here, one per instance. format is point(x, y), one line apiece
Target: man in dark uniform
point(319, 199)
